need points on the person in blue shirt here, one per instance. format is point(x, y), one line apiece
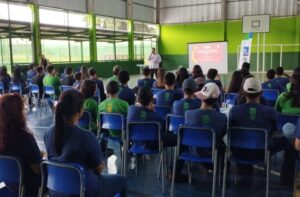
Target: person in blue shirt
point(5, 78)
point(271, 83)
point(282, 77)
point(297, 136)
point(255, 115)
point(125, 92)
point(93, 76)
point(189, 101)
point(169, 94)
point(31, 72)
point(68, 78)
point(213, 77)
point(146, 81)
point(67, 143)
point(18, 141)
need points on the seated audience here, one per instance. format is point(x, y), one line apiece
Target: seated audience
point(254, 115)
point(5, 78)
point(125, 92)
point(197, 72)
point(78, 81)
point(67, 143)
point(160, 79)
point(213, 77)
point(31, 72)
point(116, 70)
point(146, 81)
point(200, 81)
point(182, 74)
point(169, 95)
point(296, 71)
point(93, 76)
point(52, 80)
point(113, 104)
point(88, 90)
point(189, 101)
point(236, 82)
point(19, 78)
point(68, 79)
point(38, 80)
point(271, 83)
point(297, 136)
point(84, 72)
point(245, 69)
point(289, 102)
point(282, 77)
point(17, 141)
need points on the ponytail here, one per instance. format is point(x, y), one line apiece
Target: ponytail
point(59, 128)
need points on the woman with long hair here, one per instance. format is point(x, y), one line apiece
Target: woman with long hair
point(182, 74)
point(19, 78)
point(16, 140)
point(65, 142)
point(289, 102)
point(236, 82)
point(160, 79)
point(197, 72)
point(84, 72)
point(5, 78)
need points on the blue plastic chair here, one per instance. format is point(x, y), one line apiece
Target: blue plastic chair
point(49, 91)
point(286, 118)
point(11, 172)
point(254, 139)
point(173, 122)
point(115, 122)
point(137, 133)
point(162, 111)
point(15, 88)
point(65, 88)
point(63, 178)
point(34, 91)
point(196, 137)
point(1, 88)
point(271, 96)
point(85, 121)
point(230, 98)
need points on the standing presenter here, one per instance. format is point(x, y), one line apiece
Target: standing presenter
point(154, 59)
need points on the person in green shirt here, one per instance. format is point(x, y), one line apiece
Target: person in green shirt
point(51, 80)
point(116, 70)
point(113, 104)
point(289, 102)
point(88, 90)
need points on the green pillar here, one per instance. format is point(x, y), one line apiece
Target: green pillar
point(36, 36)
point(131, 40)
point(93, 38)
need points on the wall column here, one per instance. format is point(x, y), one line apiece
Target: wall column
point(36, 36)
point(131, 40)
point(93, 37)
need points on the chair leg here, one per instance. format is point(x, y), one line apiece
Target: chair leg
point(235, 174)
point(159, 166)
point(189, 172)
point(224, 175)
point(215, 174)
point(136, 165)
point(162, 173)
point(173, 173)
point(268, 174)
point(125, 151)
point(220, 170)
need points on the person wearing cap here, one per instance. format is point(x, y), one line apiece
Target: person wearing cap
point(207, 116)
point(252, 114)
point(169, 94)
point(271, 83)
point(189, 101)
point(116, 70)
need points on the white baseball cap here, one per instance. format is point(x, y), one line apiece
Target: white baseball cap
point(210, 90)
point(252, 86)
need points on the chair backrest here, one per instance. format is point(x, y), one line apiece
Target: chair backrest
point(112, 121)
point(143, 131)
point(49, 90)
point(1, 88)
point(286, 118)
point(85, 120)
point(34, 89)
point(163, 111)
point(197, 137)
point(65, 88)
point(155, 91)
point(230, 98)
point(15, 87)
point(173, 122)
point(11, 171)
point(63, 178)
point(270, 94)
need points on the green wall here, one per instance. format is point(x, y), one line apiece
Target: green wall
point(175, 37)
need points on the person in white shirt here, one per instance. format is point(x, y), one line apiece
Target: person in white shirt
point(154, 59)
